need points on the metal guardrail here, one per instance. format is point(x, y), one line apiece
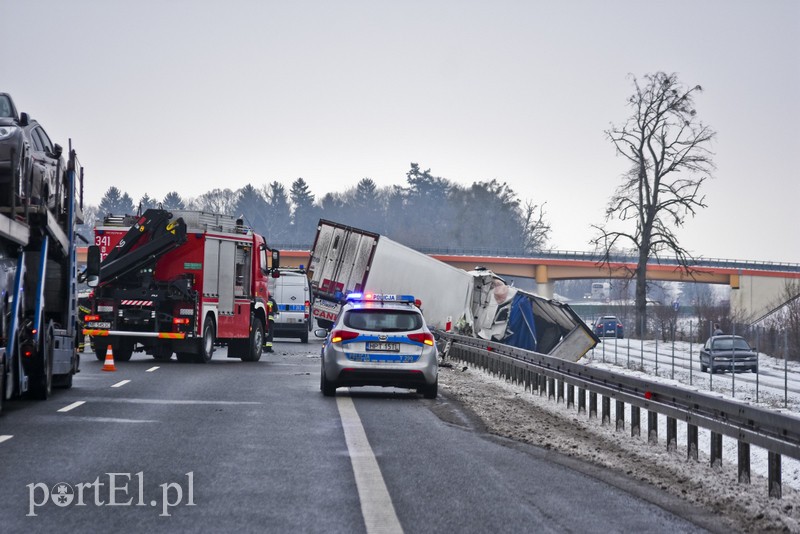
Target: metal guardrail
point(778, 433)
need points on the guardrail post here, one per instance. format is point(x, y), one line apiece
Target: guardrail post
point(636, 421)
point(652, 427)
point(581, 400)
point(551, 388)
point(744, 462)
point(606, 411)
point(620, 415)
point(716, 450)
point(672, 434)
point(774, 470)
point(570, 396)
point(560, 395)
point(592, 404)
point(691, 442)
point(542, 385)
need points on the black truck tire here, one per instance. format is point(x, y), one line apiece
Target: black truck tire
point(206, 349)
point(255, 343)
point(42, 376)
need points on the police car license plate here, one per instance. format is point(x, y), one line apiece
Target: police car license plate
point(383, 346)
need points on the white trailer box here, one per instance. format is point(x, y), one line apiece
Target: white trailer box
point(349, 260)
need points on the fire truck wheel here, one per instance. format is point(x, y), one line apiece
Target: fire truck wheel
point(207, 347)
point(256, 341)
point(123, 350)
point(100, 350)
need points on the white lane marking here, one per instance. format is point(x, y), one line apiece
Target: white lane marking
point(151, 369)
point(71, 406)
point(120, 384)
point(91, 419)
point(172, 401)
point(376, 503)
point(5, 438)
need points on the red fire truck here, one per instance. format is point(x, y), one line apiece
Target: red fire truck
point(179, 282)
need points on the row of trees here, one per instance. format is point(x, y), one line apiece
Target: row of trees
point(428, 211)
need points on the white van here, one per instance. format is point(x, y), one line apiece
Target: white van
point(292, 294)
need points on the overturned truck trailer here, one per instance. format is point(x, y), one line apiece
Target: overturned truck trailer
point(346, 260)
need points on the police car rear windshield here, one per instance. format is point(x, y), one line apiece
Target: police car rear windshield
point(382, 320)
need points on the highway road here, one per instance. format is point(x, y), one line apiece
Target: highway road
point(255, 447)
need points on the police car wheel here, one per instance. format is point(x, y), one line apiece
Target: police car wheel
point(327, 387)
point(430, 392)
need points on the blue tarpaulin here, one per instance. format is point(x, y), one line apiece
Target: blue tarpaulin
point(521, 331)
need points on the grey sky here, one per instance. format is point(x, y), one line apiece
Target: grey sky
point(194, 95)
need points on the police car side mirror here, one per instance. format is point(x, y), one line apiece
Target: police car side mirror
point(321, 332)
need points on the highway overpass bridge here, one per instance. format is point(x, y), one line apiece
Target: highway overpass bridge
point(756, 287)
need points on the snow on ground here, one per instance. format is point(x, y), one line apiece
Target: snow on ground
point(508, 410)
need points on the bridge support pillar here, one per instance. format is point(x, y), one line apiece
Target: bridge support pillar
point(544, 287)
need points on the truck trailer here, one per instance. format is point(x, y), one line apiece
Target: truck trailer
point(348, 260)
point(179, 282)
point(38, 328)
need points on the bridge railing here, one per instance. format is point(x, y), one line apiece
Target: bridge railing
point(778, 433)
point(594, 257)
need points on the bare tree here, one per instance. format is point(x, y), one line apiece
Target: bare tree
point(667, 147)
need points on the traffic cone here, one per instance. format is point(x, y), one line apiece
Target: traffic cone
point(109, 363)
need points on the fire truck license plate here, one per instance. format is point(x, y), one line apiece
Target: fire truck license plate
point(383, 346)
point(98, 325)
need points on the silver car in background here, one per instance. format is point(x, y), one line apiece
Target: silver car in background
point(380, 340)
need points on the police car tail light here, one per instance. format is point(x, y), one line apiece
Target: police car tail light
point(424, 338)
point(308, 309)
point(337, 336)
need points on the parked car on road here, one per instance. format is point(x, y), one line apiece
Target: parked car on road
point(609, 326)
point(728, 353)
point(380, 340)
point(32, 168)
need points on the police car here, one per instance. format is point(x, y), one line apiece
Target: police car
point(380, 340)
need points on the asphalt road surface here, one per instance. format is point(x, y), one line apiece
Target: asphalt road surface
point(255, 447)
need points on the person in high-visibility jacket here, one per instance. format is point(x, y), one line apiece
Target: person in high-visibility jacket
point(273, 309)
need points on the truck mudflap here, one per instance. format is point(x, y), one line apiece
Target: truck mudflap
point(125, 333)
point(63, 352)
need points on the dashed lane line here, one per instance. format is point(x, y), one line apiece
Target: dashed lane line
point(71, 406)
point(120, 384)
point(151, 369)
point(376, 503)
point(6, 437)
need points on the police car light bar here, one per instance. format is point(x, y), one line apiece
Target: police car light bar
point(379, 297)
